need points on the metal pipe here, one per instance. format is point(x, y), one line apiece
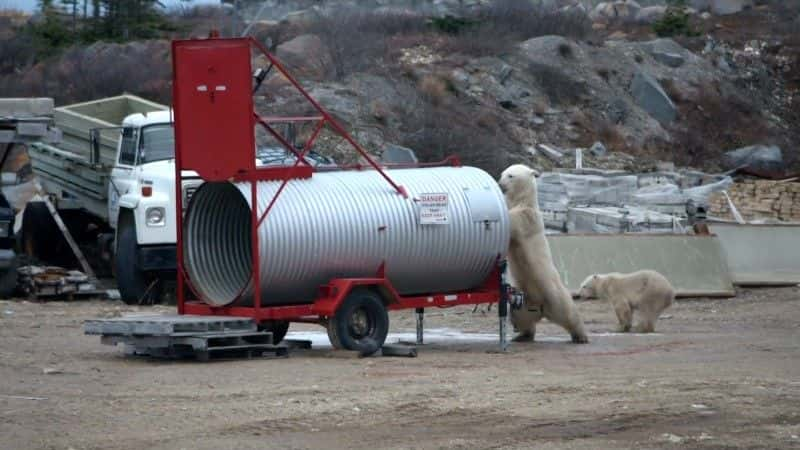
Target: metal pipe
point(344, 225)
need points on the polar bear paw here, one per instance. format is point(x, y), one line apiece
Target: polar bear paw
point(523, 337)
point(580, 339)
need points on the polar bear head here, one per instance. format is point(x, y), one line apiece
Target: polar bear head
point(518, 183)
point(589, 287)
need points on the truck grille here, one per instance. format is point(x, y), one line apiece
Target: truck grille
point(188, 192)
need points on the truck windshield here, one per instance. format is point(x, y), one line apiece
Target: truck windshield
point(157, 143)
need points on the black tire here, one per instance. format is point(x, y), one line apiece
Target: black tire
point(332, 336)
point(8, 280)
point(278, 328)
point(361, 323)
point(136, 287)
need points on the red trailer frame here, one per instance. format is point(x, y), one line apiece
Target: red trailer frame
point(213, 108)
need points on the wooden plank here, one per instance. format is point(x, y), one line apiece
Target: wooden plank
point(87, 269)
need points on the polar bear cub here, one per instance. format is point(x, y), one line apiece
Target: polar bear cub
point(531, 264)
point(646, 292)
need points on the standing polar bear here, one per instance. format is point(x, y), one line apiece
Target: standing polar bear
point(531, 264)
point(647, 292)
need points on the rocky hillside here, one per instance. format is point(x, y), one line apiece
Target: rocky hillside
point(493, 81)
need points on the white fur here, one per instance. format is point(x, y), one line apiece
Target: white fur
point(646, 293)
point(530, 263)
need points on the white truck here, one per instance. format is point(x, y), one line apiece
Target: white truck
point(112, 179)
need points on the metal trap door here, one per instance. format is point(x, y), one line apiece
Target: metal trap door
point(214, 106)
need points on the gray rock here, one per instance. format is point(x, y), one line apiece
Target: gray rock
point(598, 149)
point(306, 54)
point(302, 17)
point(650, 14)
point(700, 5)
point(545, 46)
point(667, 52)
point(669, 59)
point(761, 157)
point(664, 45)
point(619, 11)
point(397, 154)
point(650, 96)
point(723, 7)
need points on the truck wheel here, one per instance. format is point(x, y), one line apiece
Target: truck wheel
point(361, 323)
point(136, 287)
point(8, 281)
point(278, 328)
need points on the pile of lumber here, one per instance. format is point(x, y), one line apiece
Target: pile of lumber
point(760, 199)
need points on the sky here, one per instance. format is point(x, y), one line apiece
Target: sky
point(30, 5)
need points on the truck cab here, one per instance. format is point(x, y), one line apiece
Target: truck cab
point(141, 199)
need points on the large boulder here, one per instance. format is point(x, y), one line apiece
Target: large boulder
point(549, 50)
point(619, 11)
point(723, 7)
point(650, 96)
point(397, 154)
point(760, 157)
point(307, 55)
point(651, 14)
point(666, 51)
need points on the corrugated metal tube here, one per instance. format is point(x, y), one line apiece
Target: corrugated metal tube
point(445, 237)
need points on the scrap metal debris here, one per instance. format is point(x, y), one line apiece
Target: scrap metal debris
point(54, 282)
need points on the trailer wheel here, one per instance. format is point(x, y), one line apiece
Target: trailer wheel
point(135, 286)
point(278, 328)
point(361, 323)
point(332, 336)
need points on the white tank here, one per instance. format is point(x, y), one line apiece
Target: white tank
point(446, 236)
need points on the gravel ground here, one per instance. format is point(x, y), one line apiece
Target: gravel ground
point(718, 374)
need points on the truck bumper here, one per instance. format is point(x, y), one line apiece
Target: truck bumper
point(157, 257)
point(7, 258)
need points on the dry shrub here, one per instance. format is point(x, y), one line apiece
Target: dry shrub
point(74, 76)
point(581, 119)
point(560, 88)
point(359, 40)
point(502, 23)
point(540, 107)
point(610, 134)
point(604, 73)
point(672, 90)
point(17, 50)
point(713, 123)
point(433, 88)
point(598, 128)
point(456, 127)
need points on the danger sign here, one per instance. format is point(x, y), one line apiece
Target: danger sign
point(433, 209)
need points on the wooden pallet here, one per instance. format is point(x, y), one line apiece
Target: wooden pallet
point(199, 337)
point(167, 324)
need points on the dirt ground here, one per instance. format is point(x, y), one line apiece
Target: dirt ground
point(718, 374)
